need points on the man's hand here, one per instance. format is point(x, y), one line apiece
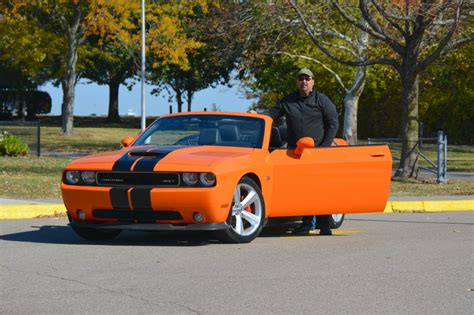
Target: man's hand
point(251, 111)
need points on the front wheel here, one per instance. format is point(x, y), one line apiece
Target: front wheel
point(246, 215)
point(94, 234)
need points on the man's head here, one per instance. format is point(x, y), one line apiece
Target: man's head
point(305, 81)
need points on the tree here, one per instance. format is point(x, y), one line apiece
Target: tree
point(111, 49)
point(67, 22)
point(71, 23)
point(273, 31)
point(207, 64)
point(413, 34)
point(23, 65)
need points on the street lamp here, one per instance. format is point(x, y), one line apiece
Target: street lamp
point(143, 118)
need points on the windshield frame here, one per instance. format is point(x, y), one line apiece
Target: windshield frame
point(152, 129)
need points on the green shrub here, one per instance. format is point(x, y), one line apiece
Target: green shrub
point(11, 145)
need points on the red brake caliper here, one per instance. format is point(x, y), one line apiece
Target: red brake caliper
point(248, 209)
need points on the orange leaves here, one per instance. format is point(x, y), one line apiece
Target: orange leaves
point(169, 44)
point(113, 20)
point(118, 23)
point(167, 41)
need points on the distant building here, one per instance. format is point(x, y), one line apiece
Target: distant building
point(131, 113)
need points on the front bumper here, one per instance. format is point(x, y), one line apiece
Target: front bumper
point(150, 226)
point(171, 205)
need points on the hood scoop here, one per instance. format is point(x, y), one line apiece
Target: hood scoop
point(146, 153)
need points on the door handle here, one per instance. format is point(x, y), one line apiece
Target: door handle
point(377, 155)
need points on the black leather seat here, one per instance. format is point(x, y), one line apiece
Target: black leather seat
point(209, 136)
point(229, 132)
point(275, 138)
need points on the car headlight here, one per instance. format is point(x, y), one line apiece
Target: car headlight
point(207, 179)
point(72, 177)
point(190, 179)
point(88, 177)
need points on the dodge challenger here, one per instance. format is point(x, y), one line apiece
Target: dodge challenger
point(223, 172)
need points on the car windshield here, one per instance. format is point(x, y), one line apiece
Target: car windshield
point(194, 130)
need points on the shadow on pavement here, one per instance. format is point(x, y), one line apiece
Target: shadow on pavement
point(64, 235)
point(55, 234)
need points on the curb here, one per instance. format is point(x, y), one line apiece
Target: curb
point(429, 206)
point(31, 211)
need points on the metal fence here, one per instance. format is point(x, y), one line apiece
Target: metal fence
point(428, 150)
point(28, 131)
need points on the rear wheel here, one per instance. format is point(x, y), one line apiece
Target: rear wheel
point(246, 215)
point(335, 220)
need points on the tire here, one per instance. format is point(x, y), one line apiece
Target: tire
point(335, 221)
point(246, 215)
point(95, 234)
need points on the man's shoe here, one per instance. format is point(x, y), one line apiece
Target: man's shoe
point(326, 231)
point(304, 230)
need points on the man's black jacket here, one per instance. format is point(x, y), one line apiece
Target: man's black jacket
point(313, 116)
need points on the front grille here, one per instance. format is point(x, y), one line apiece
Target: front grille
point(137, 179)
point(137, 215)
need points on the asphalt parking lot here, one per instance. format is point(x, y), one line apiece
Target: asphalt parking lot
point(378, 263)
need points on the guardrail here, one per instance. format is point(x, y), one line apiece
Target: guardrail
point(439, 168)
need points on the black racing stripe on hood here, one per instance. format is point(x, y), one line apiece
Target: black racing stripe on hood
point(125, 162)
point(147, 160)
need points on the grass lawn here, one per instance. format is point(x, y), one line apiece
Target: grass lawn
point(84, 139)
point(31, 177)
point(96, 139)
point(95, 134)
point(460, 157)
point(39, 178)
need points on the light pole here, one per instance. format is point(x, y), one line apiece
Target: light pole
point(143, 118)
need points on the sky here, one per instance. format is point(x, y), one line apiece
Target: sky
point(94, 99)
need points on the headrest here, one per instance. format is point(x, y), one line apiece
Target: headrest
point(275, 138)
point(229, 132)
point(283, 133)
point(209, 136)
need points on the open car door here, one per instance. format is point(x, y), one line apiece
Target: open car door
point(341, 179)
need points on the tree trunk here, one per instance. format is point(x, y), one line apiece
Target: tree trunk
point(67, 108)
point(179, 94)
point(351, 104)
point(189, 98)
point(409, 156)
point(179, 100)
point(113, 116)
point(68, 82)
point(20, 105)
point(351, 100)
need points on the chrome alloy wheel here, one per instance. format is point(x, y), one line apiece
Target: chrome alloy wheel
point(246, 210)
point(337, 218)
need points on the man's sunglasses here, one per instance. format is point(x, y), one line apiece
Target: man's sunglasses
point(305, 79)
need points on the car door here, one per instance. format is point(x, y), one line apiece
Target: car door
point(343, 179)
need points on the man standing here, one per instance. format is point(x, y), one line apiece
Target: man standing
point(308, 113)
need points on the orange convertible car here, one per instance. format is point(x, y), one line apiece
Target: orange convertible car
point(224, 172)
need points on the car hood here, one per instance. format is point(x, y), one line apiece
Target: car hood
point(122, 160)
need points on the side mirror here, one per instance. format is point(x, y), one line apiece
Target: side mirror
point(127, 141)
point(303, 143)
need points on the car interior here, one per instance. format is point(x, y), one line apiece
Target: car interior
point(226, 135)
point(278, 138)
